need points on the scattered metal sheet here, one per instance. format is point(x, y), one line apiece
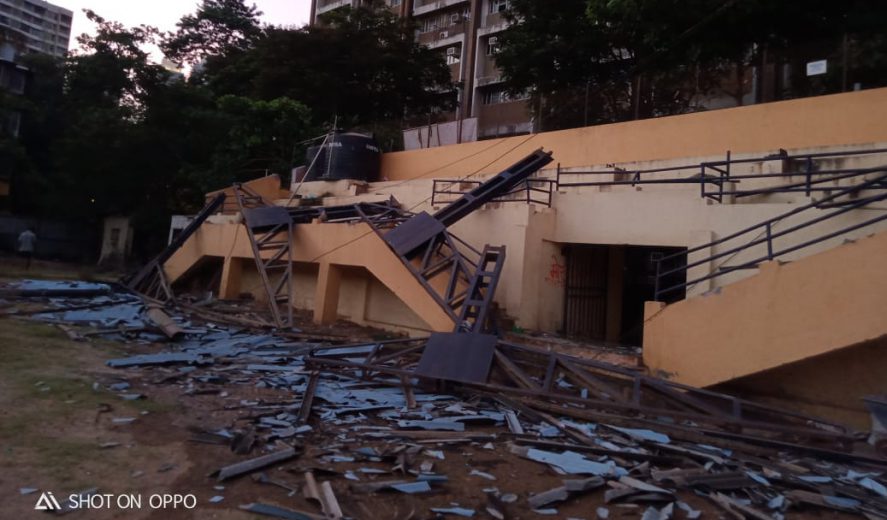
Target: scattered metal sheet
point(308, 398)
point(873, 485)
point(737, 508)
point(465, 358)
point(689, 512)
point(168, 358)
point(658, 514)
point(558, 494)
point(52, 288)
point(278, 512)
point(413, 233)
point(561, 493)
point(457, 511)
point(263, 478)
point(410, 488)
point(514, 424)
point(481, 474)
point(642, 435)
point(569, 462)
point(249, 466)
point(435, 425)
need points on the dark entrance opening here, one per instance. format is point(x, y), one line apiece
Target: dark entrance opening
point(606, 287)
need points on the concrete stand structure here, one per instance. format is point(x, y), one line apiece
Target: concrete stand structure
point(584, 244)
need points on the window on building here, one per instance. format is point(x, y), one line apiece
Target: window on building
point(497, 95)
point(492, 45)
point(434, 23)
point(497, 6)
point(12, 80)
point(12, 124)
point(453, 55)
point(394, 3)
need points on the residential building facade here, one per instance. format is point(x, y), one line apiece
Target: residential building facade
point(42, 27)
point(466, 34)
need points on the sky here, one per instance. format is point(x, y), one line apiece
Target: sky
point(164, 14)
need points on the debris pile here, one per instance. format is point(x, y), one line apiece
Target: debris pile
point(521, 432)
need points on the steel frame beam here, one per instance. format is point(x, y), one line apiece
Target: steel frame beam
point(604, 392)
point(274, 236)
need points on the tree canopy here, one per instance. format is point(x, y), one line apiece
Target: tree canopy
point(106, 130)
point(218, 28)
point(623, 59)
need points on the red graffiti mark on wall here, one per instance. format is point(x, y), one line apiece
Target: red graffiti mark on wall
point(557, 273)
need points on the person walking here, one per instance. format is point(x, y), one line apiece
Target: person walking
point(26, 241)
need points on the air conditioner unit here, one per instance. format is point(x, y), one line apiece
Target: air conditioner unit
point(451, 51)
point(493, 41)
point(444, 34)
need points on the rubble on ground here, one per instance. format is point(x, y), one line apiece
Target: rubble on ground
point(355, 420)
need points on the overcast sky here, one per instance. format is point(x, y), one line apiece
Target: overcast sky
point(164, 14)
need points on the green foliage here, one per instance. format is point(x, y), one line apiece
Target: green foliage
point(362, 66)
point(589, 61)
point(218, 28)
point(107, 131)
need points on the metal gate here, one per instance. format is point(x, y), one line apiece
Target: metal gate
point(585, 294)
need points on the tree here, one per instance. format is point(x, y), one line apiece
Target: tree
point(218, 28)
point(592, 61)
point(361, 66)
point(611, 60)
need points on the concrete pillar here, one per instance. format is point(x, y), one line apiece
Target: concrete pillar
point(326, 296)
point(232, 270)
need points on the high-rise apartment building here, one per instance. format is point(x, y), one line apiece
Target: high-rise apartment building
point(466, 33)
point(38, 26)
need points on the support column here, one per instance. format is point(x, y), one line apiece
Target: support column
point(698, 238)
point(326, 295)
point(229, 287)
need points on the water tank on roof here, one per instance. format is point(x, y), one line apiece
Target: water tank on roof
point(344, 156)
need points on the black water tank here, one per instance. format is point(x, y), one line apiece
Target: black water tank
point(345, 156)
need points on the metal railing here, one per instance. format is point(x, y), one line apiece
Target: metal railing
point(536, 191)
point(764, 233)
point(717, 179)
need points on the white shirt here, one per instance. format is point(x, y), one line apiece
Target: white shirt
point(26, 241)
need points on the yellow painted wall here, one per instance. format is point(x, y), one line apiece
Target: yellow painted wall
point(830, 385)
point(849, 118)
point(353, 246)
point(782, 315)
